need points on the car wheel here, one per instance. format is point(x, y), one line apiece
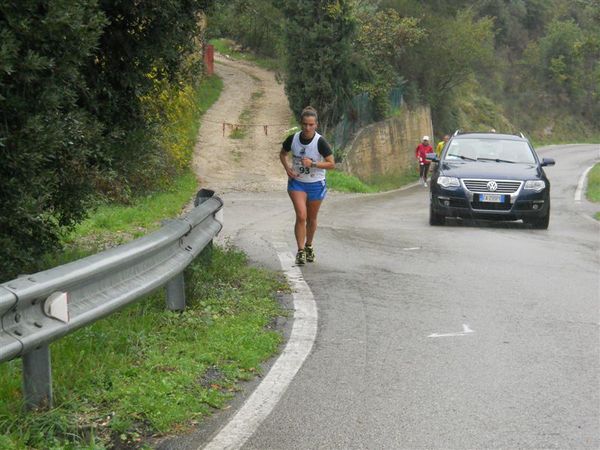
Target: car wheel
point(434, 218)
point(540, 223)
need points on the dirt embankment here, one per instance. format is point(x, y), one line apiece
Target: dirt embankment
point(245, 159)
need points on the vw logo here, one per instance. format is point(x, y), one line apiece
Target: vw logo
point(492, 185)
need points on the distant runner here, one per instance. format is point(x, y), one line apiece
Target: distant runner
point(311, 156)
point(421, 154)
point(440, 146)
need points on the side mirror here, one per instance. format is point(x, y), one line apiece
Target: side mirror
point(548, 162)
point(431, 157)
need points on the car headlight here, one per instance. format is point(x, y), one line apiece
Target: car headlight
point(448, 182)
point(535, 185)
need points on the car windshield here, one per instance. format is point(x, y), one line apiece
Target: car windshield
point(499, 150)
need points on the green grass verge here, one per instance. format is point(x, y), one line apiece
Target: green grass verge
point(226, 47)
point(343, 182)
point(145, 370)
point(143, 215)
point(593, 187)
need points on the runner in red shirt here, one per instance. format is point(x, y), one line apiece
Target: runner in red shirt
point(421, 153)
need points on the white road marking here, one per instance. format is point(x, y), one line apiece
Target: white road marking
point(266, 396)
point(466, 330)
point(579, 190)
point(412, 248)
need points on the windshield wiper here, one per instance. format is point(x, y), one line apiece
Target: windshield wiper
point(495, 159)
point(461, 156)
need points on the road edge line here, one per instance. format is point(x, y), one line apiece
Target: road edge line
point(268, 393)
point(579, 190)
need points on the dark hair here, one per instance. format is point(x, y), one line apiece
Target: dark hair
point(309, 111)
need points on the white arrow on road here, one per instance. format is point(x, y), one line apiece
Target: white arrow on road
point(466, 330)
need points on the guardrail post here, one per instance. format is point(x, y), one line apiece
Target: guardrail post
point(201, 196)
point(176, 293)
point(37, 378)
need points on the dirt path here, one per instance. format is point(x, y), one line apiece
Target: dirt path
point(253, 98)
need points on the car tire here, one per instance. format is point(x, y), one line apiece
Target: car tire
point(434, 218)
point(540, 223)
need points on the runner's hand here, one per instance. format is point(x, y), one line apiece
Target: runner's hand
point(291, 172)
point(306, 162)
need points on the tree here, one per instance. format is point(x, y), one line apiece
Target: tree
point(48, 142)
point(566, 63)
point(72, 76)
point(384, 38)
point(256, 25)
point(321, 67)
point(454, 50)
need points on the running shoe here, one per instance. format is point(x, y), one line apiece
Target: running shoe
point(310, 253)
point(300, 258)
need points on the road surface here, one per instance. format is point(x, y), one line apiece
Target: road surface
point(471, 335)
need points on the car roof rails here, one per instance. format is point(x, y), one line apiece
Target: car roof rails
point(456, 132)
point(522, 135)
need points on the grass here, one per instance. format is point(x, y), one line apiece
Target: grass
point(593, 187)
point(143, 215)
point(246, 116)
point(343, 182)
point(144, 370)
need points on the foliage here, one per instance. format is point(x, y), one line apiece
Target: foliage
point(321, 66)
point(524, 61)
point(175, 108)
point(454, 50)
point(145, 370)
point(255, 25)
point(383, 40)
point(48, 142)
point(143, 43)
point(73, 76)
point(566, 65)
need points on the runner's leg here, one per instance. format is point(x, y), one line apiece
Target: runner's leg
point(299, 202)
point(312, 208)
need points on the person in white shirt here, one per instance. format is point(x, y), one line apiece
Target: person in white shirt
point(311, 157)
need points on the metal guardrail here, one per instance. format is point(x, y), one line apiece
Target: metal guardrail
point(40, 308)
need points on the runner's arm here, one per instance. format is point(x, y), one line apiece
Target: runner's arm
point(286, 165)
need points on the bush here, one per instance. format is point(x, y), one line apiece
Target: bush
point(72, 78)
point(48, 141)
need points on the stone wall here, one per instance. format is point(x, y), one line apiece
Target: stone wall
point(388, 148)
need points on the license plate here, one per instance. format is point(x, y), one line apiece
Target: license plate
point(491, 198)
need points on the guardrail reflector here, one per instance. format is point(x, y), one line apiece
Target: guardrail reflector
point(57, 306)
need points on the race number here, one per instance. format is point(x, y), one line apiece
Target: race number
point(299, 167)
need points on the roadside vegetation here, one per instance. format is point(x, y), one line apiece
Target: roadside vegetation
point(145, 371)
point(527, 66)
point(593, 187)
point(343, 182)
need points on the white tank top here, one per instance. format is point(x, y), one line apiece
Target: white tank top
point(310, 150)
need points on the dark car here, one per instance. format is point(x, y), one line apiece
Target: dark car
point(490, 176)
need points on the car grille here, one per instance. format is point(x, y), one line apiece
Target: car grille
point(504, 187)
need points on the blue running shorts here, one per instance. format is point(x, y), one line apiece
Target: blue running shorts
point(314, 191)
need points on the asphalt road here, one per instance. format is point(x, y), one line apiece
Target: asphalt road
point(471, 335)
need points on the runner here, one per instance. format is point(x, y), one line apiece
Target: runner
point(421, 154)
point(311, 157)
point(440, 146)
